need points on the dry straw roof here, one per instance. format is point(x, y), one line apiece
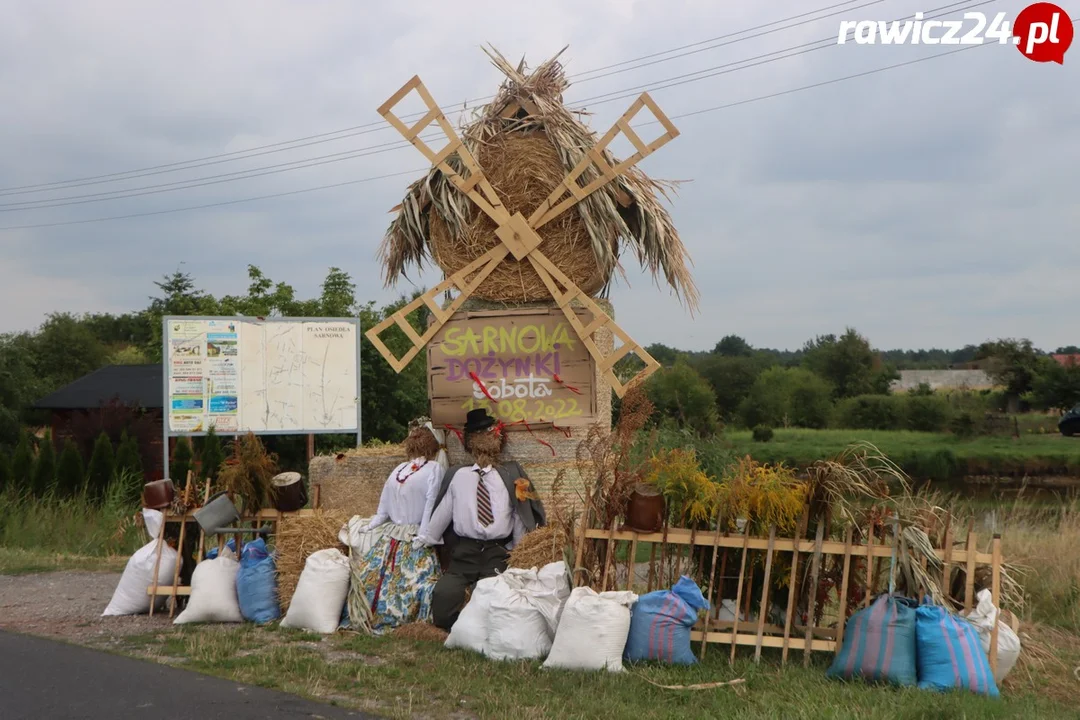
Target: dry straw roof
point(625, 212)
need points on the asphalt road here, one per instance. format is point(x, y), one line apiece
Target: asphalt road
point(42, 678)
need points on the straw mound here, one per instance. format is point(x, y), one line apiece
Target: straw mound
point(627, 212)
point(421, 631)
point(523, 168)
point(542, 546)
point(297, 538)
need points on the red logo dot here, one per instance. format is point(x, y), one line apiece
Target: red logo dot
point(1043, 32)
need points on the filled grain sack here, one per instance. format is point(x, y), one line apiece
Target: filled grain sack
point(1008, 644)
point(950, 656)
point(879, 643)
point(320, 593)
point(660, 624)
point(592, 631)
point(130, 596)
point(213, 592)
point(524, 611)
point(256, 584)
point(470, 630)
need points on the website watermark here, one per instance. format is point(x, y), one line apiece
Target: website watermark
point(1042, 32)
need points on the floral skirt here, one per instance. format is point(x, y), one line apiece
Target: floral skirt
point(392, 585)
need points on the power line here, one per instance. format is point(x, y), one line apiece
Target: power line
point(357, 130)
point(416, 171)
point(624, 93)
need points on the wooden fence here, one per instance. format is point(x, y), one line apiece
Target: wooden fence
point(795, 633)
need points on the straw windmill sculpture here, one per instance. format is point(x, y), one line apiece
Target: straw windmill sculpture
point(545, 162)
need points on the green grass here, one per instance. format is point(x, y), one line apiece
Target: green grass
point(935, 456)
point(405, 679)
point(21, 561)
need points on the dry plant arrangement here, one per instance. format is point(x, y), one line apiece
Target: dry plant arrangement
point(247, 474)
point(555, 540)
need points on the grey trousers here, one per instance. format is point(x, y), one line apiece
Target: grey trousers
point(470, 561)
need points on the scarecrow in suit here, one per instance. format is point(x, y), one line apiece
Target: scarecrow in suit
point(481, 512)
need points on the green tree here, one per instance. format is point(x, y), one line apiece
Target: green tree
point(787, 397)
point(65, 350)
point(731, 377)
point(180, 462)
point(1014, 364)
point(389, 400)
point(681, 394)
point(1056, 386)
point(128, 457)
point(20, 384)
point(70, 473)
point(22, 462)
point(212, 454)
point(663, 354)
point(45, 466)
point(179, 297)
point(733, 346)
point(102, 466)
point(848, 364)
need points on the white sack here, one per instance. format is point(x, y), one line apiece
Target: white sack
point(1008, 644)
point(130, 596)
point(470, 630)
point(356, 536)
point(517, 630)
point(592, 631)
point(213, 592)
point(320, 593)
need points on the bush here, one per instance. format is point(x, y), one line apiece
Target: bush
point(787, 397)
point(871, 412)
point(102, 465)
point(5, 471)
point(763, 433)
point(70, 473)
point(963, 425)
point(45, 466)
point(128, 458)
point(212, 455)
point(181, 461)
point(926, 413)
point(681, 394)
point(22, 463)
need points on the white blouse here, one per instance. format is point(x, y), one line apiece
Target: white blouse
point(408, 496)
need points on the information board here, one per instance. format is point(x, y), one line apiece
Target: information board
point(276, 376)
point(524, 366)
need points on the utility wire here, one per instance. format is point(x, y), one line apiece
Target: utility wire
point(419, 170)
point(357, 130)
point(624, 93)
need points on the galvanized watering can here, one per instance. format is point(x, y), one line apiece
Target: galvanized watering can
point(216, 515)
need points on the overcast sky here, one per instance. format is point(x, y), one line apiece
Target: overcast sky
point(929, 205)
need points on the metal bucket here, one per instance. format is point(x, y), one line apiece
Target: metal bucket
point(217, 514)
point(290, 491)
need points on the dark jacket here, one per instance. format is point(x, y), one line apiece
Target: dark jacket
point(530, 511)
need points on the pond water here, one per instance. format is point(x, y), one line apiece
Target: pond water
point(998, 492)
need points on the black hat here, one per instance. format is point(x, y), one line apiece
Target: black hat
point(477, 420)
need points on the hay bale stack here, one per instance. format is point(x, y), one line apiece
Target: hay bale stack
point(353, 481)
point(526, 142)
point(296, 539)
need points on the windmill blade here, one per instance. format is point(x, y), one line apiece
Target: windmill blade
point(479, 269)
point(564, 291)
point(568, 193)
point(486, 199)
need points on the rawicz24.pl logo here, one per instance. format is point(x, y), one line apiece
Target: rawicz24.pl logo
point(1041, 32)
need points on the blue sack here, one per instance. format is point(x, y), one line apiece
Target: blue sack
point(660, 624)
point(213, 552)
point(879, 643)
point(256, 584)
point(950, 654)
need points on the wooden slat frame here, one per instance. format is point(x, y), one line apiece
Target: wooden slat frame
point(767, 635)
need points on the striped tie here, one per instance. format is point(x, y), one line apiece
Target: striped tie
point(483, 501)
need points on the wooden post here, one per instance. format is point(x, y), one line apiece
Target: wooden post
point(764, 611)
point(811, 607)
point(157, 560)
point(842, 621)
point(712, 578)
point(310, 447)
point(738, 593)
point(579, 554)
point(610, 556)
point(179, 550)
point(969, 581)
point(946, 570)
point(869, 565)
point(789, 616)
point(995, 595)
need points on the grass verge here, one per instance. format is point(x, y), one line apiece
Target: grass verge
point(410, 679)
point(22, 561)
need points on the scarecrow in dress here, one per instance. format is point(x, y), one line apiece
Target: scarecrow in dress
point(481, 512)
point(394, 581)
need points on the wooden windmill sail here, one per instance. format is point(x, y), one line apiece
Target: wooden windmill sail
point(519, 237)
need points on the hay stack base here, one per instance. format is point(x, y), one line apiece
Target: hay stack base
point(352, 481)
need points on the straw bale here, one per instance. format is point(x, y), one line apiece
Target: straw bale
point(353, 481)
point(540, 547)
point(523, 169)
point(296, 539)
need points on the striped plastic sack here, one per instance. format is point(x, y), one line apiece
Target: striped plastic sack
point(660, 624)
point(950, 655)
point(879, 643)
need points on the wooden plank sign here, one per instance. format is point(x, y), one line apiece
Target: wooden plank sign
point(525, 366)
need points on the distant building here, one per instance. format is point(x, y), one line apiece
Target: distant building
point(1067, 360)
point(969, 379)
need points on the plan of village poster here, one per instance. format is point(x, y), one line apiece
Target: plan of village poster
point(241, 375)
